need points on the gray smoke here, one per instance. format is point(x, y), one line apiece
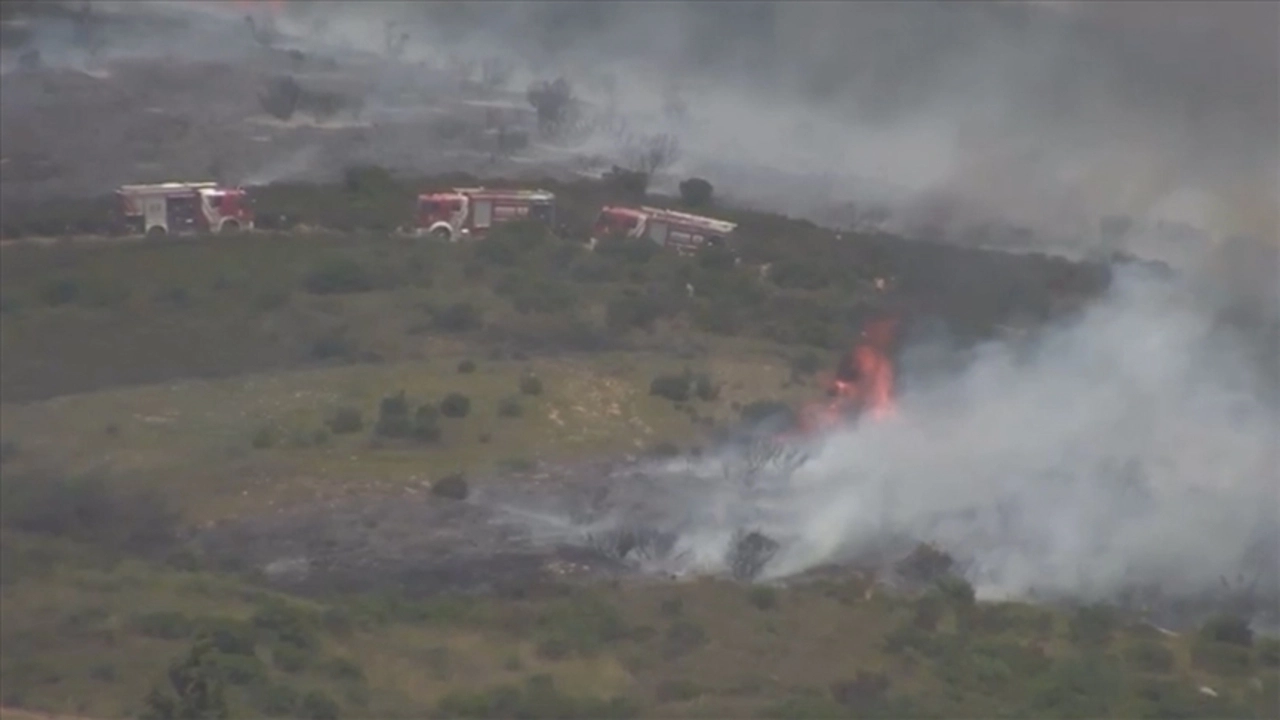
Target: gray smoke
point(1131, 449)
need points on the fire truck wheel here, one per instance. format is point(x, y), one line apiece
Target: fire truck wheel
point(442, 234)
point(231, 226)
point(156, 231)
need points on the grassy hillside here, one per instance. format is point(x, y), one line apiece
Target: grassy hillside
point(154, 387)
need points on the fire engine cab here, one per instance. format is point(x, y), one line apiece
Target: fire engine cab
point(176, 207)
point(470, 212)
point(682, 231)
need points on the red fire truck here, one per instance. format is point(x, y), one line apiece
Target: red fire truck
point(178, 207)
point(470, 212)
point(682, 231)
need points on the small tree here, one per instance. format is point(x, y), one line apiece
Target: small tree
point(695, 192)
point(195, 689)
point(455, 405)
point(652, 153)
point(555, 104)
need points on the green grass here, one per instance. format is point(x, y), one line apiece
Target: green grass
point(208, 371)
point(90, 638)
point(194, 440)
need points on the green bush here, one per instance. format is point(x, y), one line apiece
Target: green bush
point(276, 700)
point(458, 318)
point(682, 638)
point(346, 420)
point(682, 690)
point(334, 345)
point(531, 385)
point(583, 623)
point(316, 705)
point(289, 658)
point(510, 408)
point(763, 598)
point(675, 388)
point(762, 410)
point(695, 192)
point(1221, 658)
point(165, 625)
point(538, 699)
point(192, 688)
point(286, 624)
point(1150, 656)
point(1268, 651)
point(1093, 625)
point(393, 417)
point(229, 636)
point(452, 487)
point(240, 670)
point(466, 367)
point(455, 405)
point(704, 388)
point(1230, 629)
point(805, 364)
point(634, 311)
point(88, 510)
point(338, 276)
point(426, 423)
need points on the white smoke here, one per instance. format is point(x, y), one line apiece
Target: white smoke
point(1129, 448)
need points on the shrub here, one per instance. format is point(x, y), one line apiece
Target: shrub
point(1093, 625)
point(276, 700)
point(345, 420)
point(531, 385)
point(1221, 658)
point(664, 449)
point(165, 625)
point(466, 367)
point(232, 637)
point(393, 417)
point(927, 612)
point(316, 705)
point(426, 423)
point(333, 345)
point(682, 690)
point(1268, 651)
point(1230, 629)
point(457, 318)
point(193, 688)
point(338, 276)
point(682, 638)
point(695, 192)
point(455, 405)
point(510, 408)
point(925, 564)
point(805, 364)
point(763, 598)
point(672, 387)
point(87, 509)
point(452, 487)
point(289, 658)
point(286, 624)
point(764, 410)
point(1150, 656)
point(634, 311)
point(704, 388)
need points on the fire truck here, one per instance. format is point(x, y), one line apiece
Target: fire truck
point(178, 207)
point(470, 212)
point(682, 231)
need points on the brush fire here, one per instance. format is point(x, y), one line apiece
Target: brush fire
point(862, 385)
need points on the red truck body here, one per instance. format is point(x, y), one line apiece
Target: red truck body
point(181, 207)
point(471, 212)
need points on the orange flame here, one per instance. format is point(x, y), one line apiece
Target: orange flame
point(863, 383)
